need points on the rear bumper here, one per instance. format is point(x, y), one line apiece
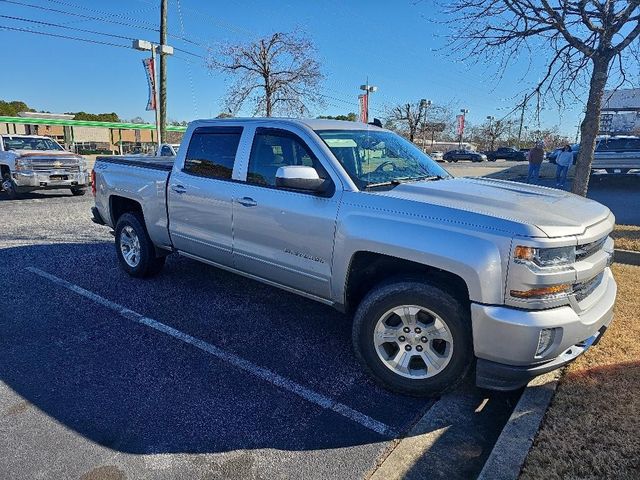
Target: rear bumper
point(31, 180)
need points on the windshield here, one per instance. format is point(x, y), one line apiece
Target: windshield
point(373, 157)
point(29, 143)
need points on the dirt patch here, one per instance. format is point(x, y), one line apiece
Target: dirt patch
point(105, 472)
point(627, 237)
point(591, 428)
point(17, 409)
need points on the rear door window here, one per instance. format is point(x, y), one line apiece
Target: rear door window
point(619, 145)
point(212, 152)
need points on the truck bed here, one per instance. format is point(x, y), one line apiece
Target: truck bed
point(156, 163)
point(142, 179)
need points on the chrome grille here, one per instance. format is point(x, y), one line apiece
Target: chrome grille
point(583, 289)
point(42, 167)
point(588, 249)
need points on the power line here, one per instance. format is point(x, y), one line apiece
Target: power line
point(94, 32)
point(64, 36)
point(66, 27)
point(143, 26)
point(109, 14)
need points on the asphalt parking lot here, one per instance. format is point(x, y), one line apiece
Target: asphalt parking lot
point(196, 373)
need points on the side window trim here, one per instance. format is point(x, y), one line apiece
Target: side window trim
point(213, 130)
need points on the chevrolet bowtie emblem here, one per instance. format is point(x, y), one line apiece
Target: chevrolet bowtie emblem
point(57, 164)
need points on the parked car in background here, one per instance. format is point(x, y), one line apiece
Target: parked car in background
point(617, 155)
point(575, 148)
point(437, 156)
point(458, 155)
point(506, 153)
point(168, 150)
point(33, 162)
point(440, 274)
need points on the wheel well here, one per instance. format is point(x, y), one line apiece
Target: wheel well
point(120, 205)
point(368, 269)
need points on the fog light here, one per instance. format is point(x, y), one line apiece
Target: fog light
point(545, 340)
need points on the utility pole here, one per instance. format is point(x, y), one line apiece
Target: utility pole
point(491, 118)
point(163, 71)
point(524, 105)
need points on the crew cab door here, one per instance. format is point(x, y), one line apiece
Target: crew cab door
point(283, 235)
point(200, 194)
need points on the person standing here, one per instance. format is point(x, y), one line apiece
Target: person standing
point(563, 161)
point(536, 155)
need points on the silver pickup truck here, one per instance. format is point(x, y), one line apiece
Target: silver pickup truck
point(33, 162)
point(440, 274)
point(617, 155)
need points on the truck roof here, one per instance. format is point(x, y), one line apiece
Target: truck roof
point(22, 135)
point(313, 123)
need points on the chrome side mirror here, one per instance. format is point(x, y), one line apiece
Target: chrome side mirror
point(299, 177)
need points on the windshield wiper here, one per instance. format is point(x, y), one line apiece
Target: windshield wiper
point(419, 179)
point(383, 184)
point(398, 181)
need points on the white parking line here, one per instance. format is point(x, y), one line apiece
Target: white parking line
point(260, 372)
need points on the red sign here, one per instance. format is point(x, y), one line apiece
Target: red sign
point(364, 108)
point(460, 120)
point(150, 70)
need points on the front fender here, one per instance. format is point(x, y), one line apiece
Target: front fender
point(473, 256)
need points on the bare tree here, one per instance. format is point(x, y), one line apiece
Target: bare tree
point(278, 74)
point(587, 41)
point(409, 117)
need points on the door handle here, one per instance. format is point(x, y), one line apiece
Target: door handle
point(178, 188)
point(247, 202)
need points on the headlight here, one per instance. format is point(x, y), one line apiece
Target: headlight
point(23, 164)
point(545, 257)
point(82, 164)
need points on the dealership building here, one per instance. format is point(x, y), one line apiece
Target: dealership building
point(621, 112)
point(86, 137)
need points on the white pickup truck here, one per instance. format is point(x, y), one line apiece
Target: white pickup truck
point(441, 274)
point(32, 162)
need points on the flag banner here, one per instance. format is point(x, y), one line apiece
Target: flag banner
point(150, 70)
point(460, 120)
point(364, 107)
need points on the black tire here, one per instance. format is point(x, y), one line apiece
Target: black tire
point(77, 192)
point(148, 264)
point(409, 292)
point(9, 187)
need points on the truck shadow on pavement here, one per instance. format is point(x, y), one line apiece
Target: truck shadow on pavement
point(128, 387)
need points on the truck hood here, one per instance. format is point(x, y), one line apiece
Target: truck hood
point(45, 154)
point(555, 213)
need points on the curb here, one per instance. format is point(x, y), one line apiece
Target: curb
point(452, 439)
point(628, 257)
point(512, 447)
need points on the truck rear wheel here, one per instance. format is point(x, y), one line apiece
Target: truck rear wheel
point(134, 248)
point(413, 338)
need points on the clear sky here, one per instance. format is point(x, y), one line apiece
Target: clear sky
point(395, 43)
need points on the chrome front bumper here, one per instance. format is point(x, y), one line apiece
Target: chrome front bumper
point(508, 337)
point(50, 179)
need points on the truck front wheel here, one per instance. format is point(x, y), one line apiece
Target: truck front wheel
point(413, 338)
point(9, 187)
point(134, 248)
